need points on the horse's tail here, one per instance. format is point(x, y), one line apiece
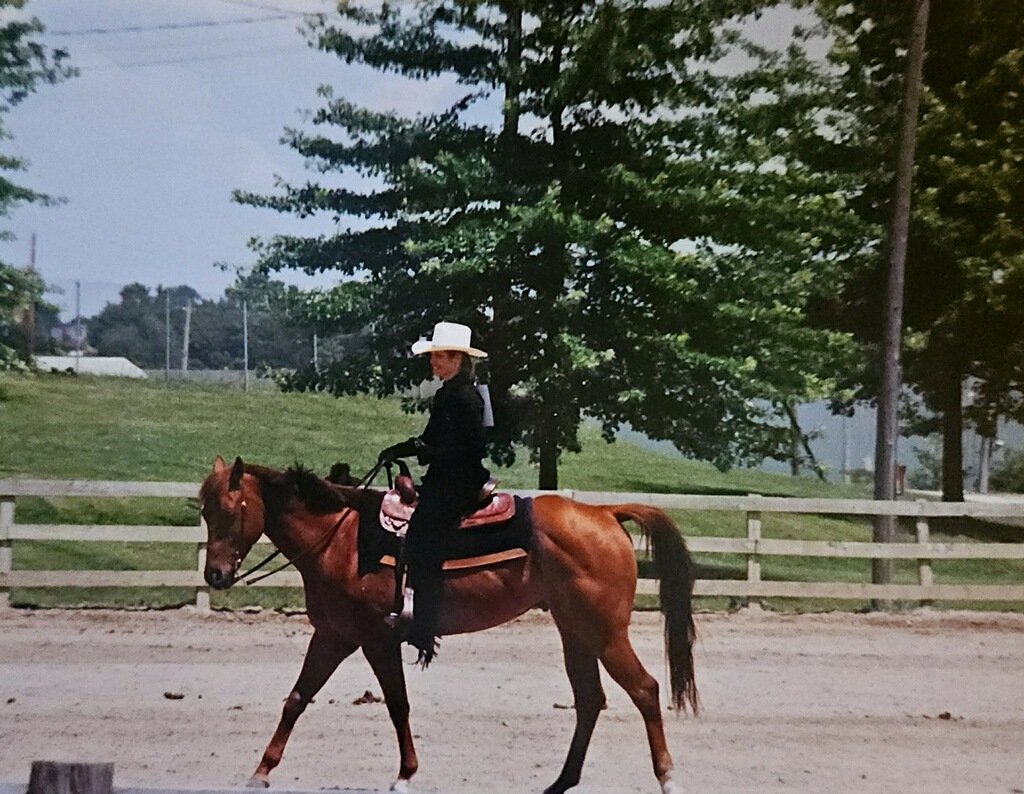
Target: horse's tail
point(676, 573)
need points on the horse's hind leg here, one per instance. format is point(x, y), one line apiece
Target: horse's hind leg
point(589, 697)
point(622, 664)
point(322, 659)
point(385, 658)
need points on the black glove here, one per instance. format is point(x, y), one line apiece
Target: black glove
point(405, 449)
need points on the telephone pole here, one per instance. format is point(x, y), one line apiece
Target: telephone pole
point(30, 310)
point(188, 328)
point(78, 325)
point(245, 343)
point(167, 335)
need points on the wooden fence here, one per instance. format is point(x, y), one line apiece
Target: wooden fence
point(753, 546)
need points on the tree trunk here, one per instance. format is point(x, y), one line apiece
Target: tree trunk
point(888, 398)
point(513, 80)
point(794, 442)
point(547, 478)
point(799, 439)
point(952, 441)
point(984, 463)
point(548, 448)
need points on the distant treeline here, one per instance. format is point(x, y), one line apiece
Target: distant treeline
point(151, 327)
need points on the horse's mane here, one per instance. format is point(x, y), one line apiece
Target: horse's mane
point(318, 495)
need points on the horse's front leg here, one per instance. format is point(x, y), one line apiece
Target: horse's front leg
point(324, 655)
point(385, 657)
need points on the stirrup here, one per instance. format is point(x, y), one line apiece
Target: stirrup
point(405, 616)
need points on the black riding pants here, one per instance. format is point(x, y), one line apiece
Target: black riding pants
point(427, 541)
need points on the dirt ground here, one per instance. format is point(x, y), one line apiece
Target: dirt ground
point(918, 702)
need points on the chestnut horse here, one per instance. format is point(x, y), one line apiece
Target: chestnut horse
point(581, 566)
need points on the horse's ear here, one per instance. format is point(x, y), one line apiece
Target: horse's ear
point(218, 464)
point(236, 475)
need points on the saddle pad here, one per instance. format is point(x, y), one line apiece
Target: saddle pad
point(374, 542)
point(395, 514)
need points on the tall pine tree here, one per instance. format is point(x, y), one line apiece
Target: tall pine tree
point(623, 255)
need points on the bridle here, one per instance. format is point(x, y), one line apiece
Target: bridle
point(316, 547)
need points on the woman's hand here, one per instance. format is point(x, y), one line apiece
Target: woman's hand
point(405, 449)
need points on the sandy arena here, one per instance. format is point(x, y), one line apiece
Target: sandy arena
point(918, 702)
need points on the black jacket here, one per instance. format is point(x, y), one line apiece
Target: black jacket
point(453, 445)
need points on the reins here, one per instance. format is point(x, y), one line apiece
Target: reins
point(316, 547)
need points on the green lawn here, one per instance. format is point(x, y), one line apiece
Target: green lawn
point(63, 427)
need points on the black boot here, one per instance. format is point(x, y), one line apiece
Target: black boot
point(423, 633)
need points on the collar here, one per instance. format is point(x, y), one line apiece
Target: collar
point(459, 379)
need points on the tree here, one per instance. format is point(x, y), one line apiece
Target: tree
point(970, 237)
point(625, 258)
point(137, 329)
point(964, 281)
point(24, 66)
point(279, 337)
point(19, 289)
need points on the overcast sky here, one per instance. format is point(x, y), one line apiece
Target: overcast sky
point(178, 103)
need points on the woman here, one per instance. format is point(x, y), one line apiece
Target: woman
point(453, 448)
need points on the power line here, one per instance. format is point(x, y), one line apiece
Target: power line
point(265, 7)
point(172, 26)
point(191, 59)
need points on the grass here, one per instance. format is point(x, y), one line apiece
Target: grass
point(63, 427)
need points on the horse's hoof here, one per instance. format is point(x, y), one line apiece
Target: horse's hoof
point(401, 786)
point(670, 786)
point(258, 781)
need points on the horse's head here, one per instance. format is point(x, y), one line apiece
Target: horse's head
point(233, 511)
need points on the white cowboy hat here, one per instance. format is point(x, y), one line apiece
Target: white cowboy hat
point(448, 336)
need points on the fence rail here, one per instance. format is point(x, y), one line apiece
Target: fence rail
point(753, 546)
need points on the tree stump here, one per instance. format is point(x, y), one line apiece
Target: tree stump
point(58, 777)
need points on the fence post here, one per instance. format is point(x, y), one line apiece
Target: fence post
point(203, 591)
point(924, 565)
point(61, 777)
point(6, 550)
point(753, 559)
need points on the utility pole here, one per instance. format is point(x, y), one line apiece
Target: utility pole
point(78, 325)
point(245, 343)
point(167, 335)
point(188, 328)
point(30, 313)
point(888, 398)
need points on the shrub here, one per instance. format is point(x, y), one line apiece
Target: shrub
point(927, 474)
point(1008, 474)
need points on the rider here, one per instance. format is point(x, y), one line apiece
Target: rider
point(453, 447)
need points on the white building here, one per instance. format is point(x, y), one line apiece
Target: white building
point(116, 366)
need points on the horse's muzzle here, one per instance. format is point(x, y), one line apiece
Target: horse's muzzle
point(219, 578)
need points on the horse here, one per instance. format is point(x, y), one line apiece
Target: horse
point(581, 567)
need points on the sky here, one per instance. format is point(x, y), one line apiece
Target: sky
point(178, 103)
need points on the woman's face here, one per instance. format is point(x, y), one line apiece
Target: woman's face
point(446, 363)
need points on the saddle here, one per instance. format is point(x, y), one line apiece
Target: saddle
point(400, 502)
